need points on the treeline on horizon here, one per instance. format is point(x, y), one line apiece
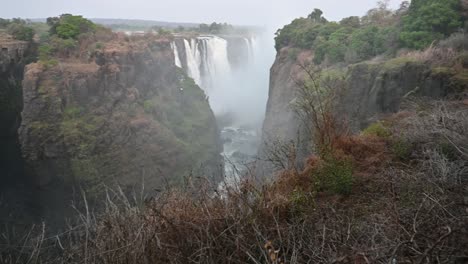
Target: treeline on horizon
point(382, 31)
point(26, 30)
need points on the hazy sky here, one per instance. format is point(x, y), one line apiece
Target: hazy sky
point(259, 12)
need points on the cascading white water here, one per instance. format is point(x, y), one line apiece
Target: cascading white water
point(193, 65)
point(207, 62)
point(239, 92)
point(215, 63)
point(178, 63)
point(249, 49)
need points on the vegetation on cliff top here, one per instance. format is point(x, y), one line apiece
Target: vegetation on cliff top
point(392, 194)
point(380, 31)
point(20, 29)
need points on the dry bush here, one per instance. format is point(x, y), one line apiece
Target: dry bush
point(434, 54)
point(396, 212)
point(317, 95)
point(400, 215)
point(457, 41)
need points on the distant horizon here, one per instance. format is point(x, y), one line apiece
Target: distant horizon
point(264, 13)
point(44, 19)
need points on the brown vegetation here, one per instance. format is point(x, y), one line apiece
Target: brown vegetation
point(394, 194)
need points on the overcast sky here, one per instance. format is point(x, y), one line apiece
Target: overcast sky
point(258, 12)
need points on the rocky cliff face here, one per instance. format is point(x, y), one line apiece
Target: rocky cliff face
point(370, 89)
point(125, 116)
point(13, 54)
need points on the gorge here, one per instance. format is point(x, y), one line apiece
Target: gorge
point(134, 141)
point(232, 71)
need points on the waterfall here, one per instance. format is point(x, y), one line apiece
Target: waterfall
point(237, 90)
point(176, 55)
point(206, 60)
point(193, 63)
point(249, 49)
point(215, 62)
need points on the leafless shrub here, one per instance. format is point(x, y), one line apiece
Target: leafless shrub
point(457, 41)
point(435, 55)
point(441, 169)
point(440, 123)
point(316, 99)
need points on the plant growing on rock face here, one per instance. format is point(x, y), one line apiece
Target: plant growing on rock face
point(318, 93)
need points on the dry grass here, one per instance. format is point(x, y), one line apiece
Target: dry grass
point(435, 55)
point(397, 212)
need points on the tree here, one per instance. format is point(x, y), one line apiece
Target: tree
point(430, 20)
point(20, 31)
point(316, 16)
point(352, 21)
point(381, 16)
point(69, 26)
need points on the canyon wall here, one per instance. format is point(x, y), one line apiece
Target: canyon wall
point(371, 89)
point(126, 115)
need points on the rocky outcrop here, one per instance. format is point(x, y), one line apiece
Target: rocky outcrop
point(125, 116)
point(373, 89)
point(370, 89)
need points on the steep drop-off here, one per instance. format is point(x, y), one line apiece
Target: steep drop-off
point(125, 116)
point(13, 56)
point(370, 89)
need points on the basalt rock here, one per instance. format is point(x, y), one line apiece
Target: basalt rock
point(370, 89)
point(125, 116)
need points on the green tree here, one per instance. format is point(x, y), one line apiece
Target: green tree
point(316, 16)
point(353, 21)
point(430, 20)
point(69, 26)
point(21, 31)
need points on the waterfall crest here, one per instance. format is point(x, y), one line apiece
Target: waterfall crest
point(193, 61)
point(231, 71)
point(178, 63)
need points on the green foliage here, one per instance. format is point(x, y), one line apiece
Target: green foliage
point(380, 31)
point(84, 170)
point(21, 32)
point(99, 45)
point(69, 26)
point(45, 56)
point(20, 29)
point(401, 149)
point(316, 16)
point(430, 20)
point(293, 53)
point(377, 129)
point(301, 201)
point(353, 21)
point(349, 41)
point(72, 112)
point(149, 106)
point(336, 175)
point(215, 28)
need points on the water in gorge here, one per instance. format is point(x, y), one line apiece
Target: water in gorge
point(234, 73)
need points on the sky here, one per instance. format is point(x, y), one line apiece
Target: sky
point(239, 12)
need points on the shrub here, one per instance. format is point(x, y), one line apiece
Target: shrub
point(293, 53)
point(456, 41)
point(99, 45)
point(336, 175)
point(377, 129)
point(401, 149)
point(149, 106)
point(21, 32)
point(72, 112)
